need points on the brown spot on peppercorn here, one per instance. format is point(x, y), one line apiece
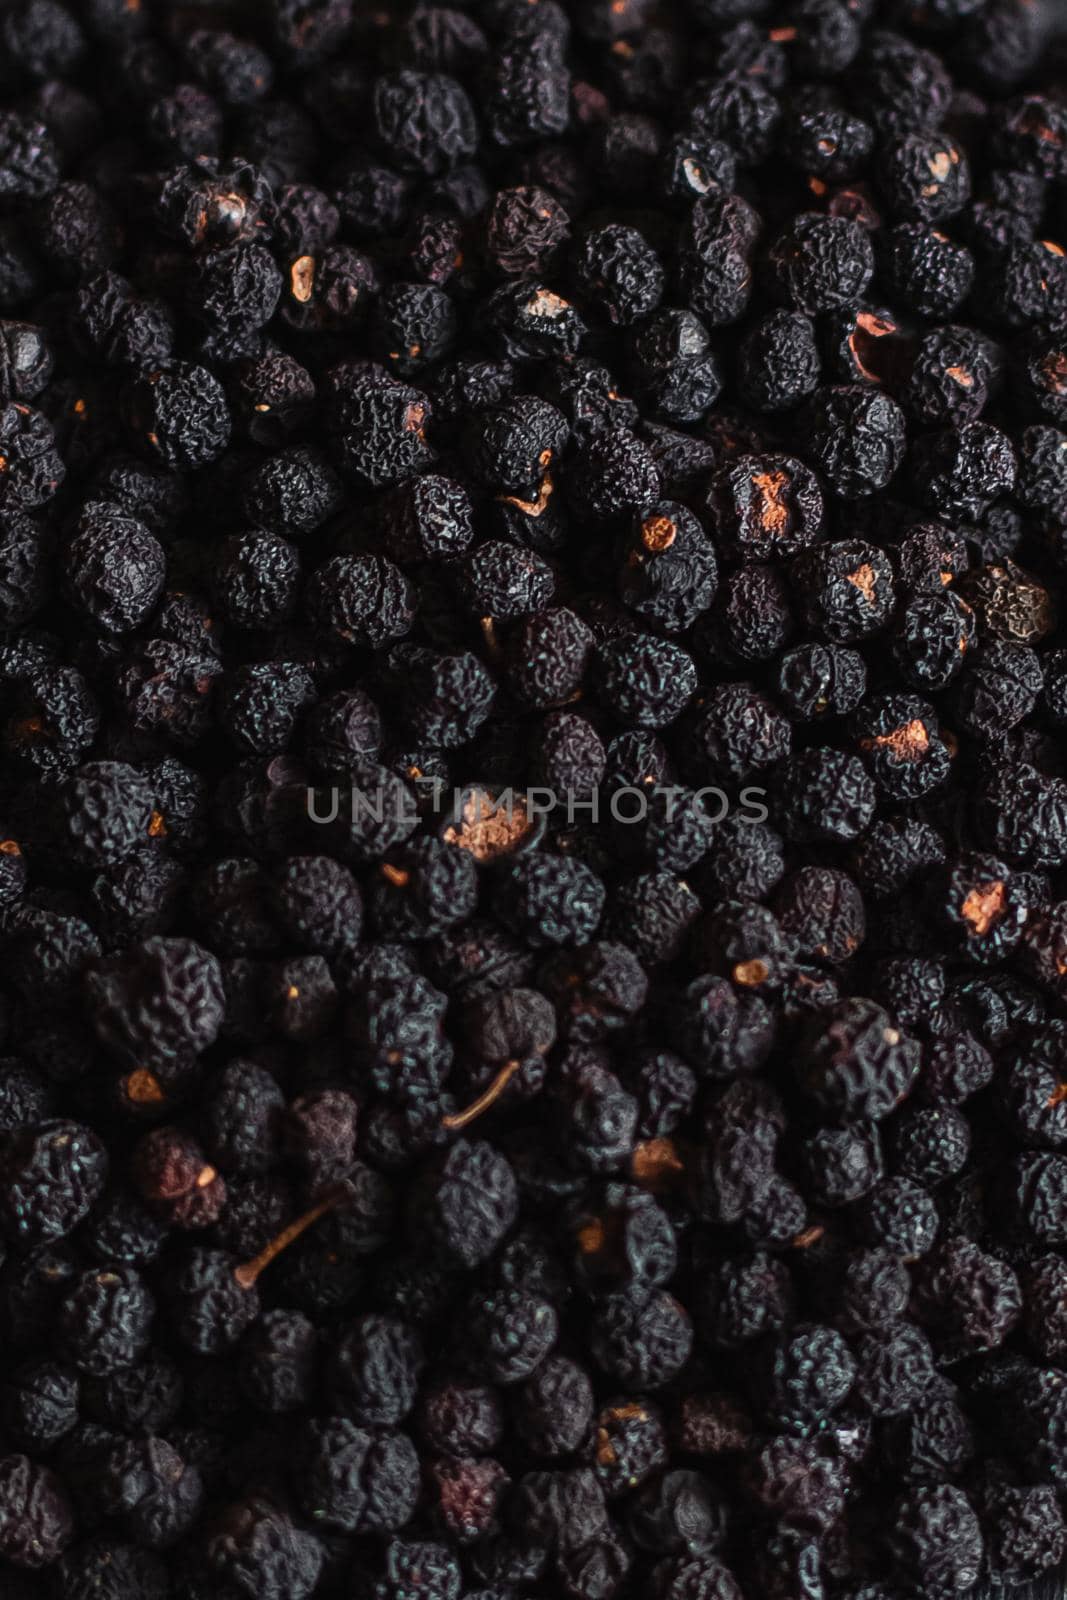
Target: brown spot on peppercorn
point(774, 513)
point(206, 1175)
point(302, 278)
point(808, 1237)
point(656, 1163)
point(157, 827)
point(546, 304)
point(983, 906)
point(631, 1412)
point(488, 830)
point(1057, 1097)
point(592, 1237)
point(292, 993)
point(489, 634)
point(751, 973)
point(782, 35)
point(864, 347)
point(865, 579)
point(9, 847)
point(143, 1088)
point(394, 875)
point(910, 742)
point(532, 508)
point(658, 533)
point(1032, 123)
point(961, 376)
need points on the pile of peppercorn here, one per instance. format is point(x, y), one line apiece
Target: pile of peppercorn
point(655, 405)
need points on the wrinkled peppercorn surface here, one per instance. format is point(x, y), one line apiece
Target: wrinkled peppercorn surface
point(661, 409)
